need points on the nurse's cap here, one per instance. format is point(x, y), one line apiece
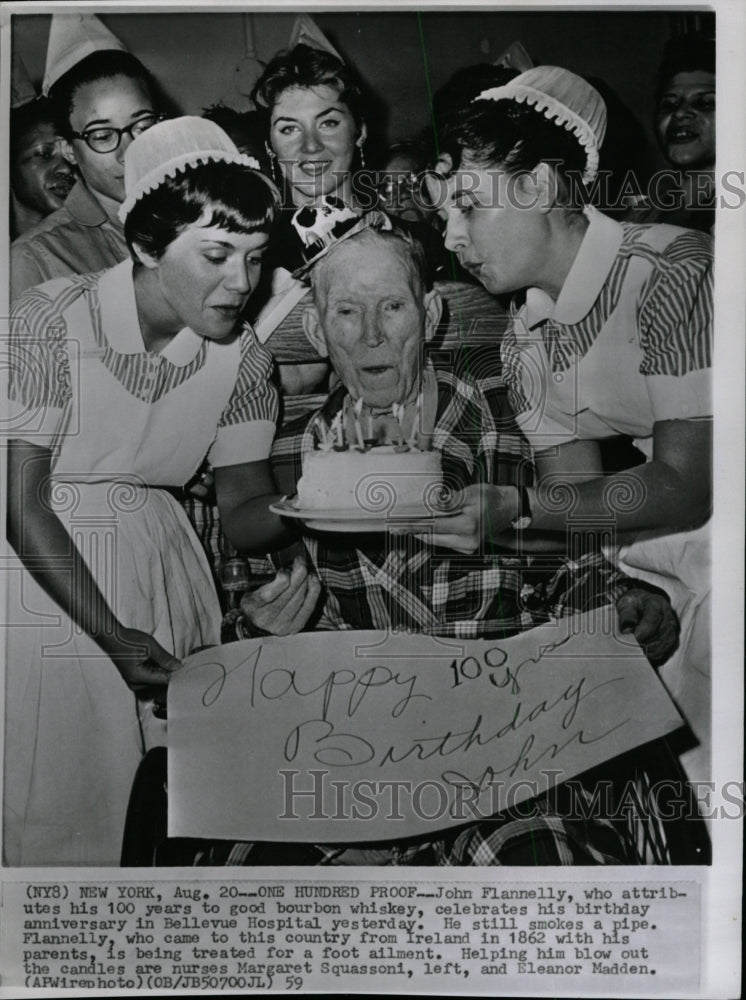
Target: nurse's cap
point(565, 98)
point(22, 89)
point(168, 148)
point(72, 37)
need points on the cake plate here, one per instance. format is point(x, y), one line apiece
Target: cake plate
point(355, 520)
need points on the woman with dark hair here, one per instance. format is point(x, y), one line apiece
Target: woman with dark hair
point(685, 128)
point(613, 336)
point(102, 98)
point(121, 382)
point(312, 109)
point(316, 130)
point(40, 176)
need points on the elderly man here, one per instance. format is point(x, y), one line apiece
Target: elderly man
point(372, 313)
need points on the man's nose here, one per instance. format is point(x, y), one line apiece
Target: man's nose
point(372, 333)
point(311, 141)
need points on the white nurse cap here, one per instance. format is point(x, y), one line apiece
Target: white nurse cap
point(564, 97)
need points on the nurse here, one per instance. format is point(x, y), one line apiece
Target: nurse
point(612, 336)
point(121, 382)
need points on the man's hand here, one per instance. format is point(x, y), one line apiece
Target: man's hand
point(483, 513)
point(144, 664)
point(284, 605)
point(652, 621)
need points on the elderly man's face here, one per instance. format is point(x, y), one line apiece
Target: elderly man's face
point(374, 320)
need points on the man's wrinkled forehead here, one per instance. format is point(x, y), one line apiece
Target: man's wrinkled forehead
point(326, 281)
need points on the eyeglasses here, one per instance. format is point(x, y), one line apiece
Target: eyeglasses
point(107, 140)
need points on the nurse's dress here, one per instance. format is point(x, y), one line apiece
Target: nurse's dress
point(119, 421)
point(627, 344)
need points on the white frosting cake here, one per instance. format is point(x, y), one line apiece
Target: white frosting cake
point(381, 480)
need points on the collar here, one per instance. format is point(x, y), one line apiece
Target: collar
point(85, 208)
point(121, 326)
point(586, 277)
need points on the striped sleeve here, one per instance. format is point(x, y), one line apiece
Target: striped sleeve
point(677, 307)
point(247, 425)
point(39, 388)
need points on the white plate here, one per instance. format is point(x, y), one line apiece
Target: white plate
point(352, 520)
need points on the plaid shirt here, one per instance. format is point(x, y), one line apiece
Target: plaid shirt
point(382, 581)
point(389, 581)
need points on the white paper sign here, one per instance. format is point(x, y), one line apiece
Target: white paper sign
point(361, 736)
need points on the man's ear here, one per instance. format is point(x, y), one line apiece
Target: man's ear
point(66, 148)
point(143, 256)
point(312, 330)
point(433, 311)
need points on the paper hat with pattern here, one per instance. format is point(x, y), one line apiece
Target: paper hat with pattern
point(170, 147)
point(564, 97)
point(319, 227)
point(72, 37)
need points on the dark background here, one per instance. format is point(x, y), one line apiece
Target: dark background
point(402, 56)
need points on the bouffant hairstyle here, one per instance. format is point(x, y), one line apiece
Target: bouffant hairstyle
point(303, 66)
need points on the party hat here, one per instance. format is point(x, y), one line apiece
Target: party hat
point(72, 37)
point(307, 32)
point(22, 89)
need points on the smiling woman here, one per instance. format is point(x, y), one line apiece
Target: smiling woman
point(40, 176)
point(315, 123)
point(100, 103)
point(159, 375)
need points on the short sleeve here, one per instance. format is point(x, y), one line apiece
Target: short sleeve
point(676, 329)
point(529, 390)
point(39, 388)
point(247, 425)
point(24, 271)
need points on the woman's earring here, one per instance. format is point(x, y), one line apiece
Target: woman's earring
point(360, 146)
point(272, 161)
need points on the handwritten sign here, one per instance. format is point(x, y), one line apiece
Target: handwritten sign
point(362, 736)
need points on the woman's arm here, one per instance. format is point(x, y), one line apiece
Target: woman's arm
point(244, 493)
point(48, 553)
point(672, 491)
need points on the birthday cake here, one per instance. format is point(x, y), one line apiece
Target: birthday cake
point(384, 480)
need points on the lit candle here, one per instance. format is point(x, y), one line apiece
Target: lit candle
point(338, 432)
point(415, 422)
point(322, 434)
point(358, 428)
point(398, 410)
